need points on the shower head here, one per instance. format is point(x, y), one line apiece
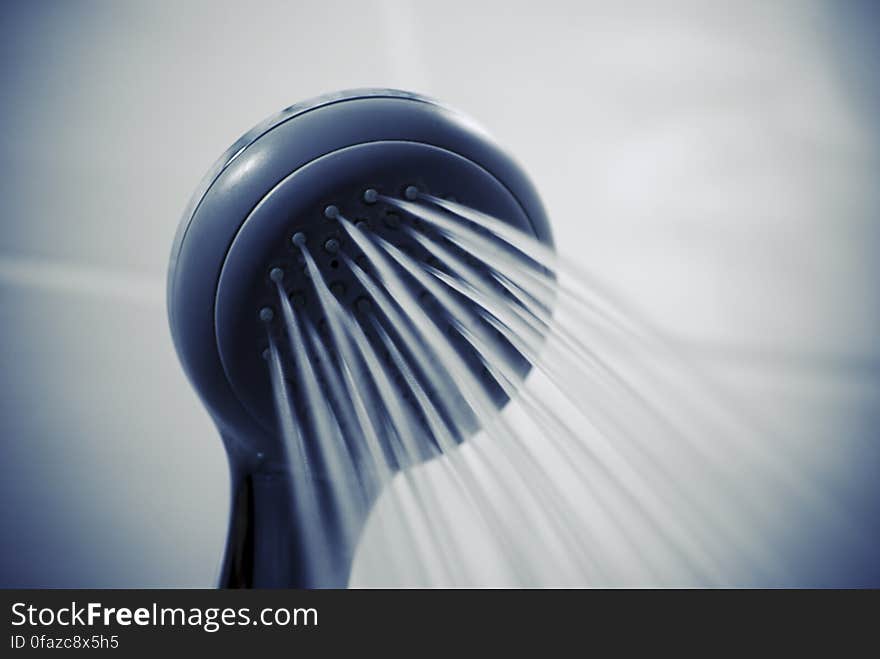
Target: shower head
point(295, 185)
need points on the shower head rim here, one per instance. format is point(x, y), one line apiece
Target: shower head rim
point(258, 131)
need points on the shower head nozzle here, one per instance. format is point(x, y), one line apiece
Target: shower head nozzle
point(279, 215)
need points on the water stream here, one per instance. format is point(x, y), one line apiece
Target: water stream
point(616, 462)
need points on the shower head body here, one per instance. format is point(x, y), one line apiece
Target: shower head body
point(280, 189)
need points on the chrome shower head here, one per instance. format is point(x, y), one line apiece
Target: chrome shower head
point(287, 187)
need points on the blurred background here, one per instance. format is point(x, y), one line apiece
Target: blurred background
point(716, 162)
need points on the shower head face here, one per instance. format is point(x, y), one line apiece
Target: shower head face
point(295, 215)
point(278, 184)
